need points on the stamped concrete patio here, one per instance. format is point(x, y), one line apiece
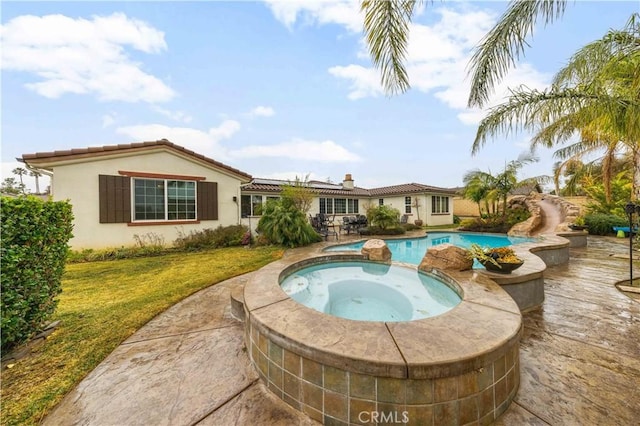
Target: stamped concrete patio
point(580, 359)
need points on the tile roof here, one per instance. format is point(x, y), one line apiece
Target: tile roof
point(97, 151)
point(272, 185)
point(408, 188)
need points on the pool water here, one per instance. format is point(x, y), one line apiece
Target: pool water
point(412, 250)
point(367, 291)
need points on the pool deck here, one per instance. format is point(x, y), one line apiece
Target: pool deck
point(579, 357)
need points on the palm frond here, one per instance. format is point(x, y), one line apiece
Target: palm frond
point(505, 43)
point(386, 28)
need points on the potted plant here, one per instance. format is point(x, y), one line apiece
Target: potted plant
point(578, 224)
point(499, 259)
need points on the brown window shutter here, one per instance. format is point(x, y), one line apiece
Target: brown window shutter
point(115, 199)
point(207, 201)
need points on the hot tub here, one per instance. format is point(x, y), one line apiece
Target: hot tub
point(458, 367)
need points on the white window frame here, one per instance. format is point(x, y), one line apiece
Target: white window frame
point(438, 204)
point(165, 200)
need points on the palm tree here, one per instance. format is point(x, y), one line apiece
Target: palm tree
point(20, 172)
point(481, 185)
point(478, 187)
point(596, 95)
point(386, 27)
point(36, 174)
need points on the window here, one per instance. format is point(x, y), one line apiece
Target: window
point(352, 206)
point(338, 206)
point(138, 199)
point(381, 201)
point(326, 205)
point(407, 205)
point(164, 199)
point(439, 205)
point(251, 205)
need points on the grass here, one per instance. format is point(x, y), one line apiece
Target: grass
point(102, 304)
point(436, 227)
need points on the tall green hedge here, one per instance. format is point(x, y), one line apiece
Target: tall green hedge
point(34, 245)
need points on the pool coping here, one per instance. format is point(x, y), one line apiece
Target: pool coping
point(478, 331)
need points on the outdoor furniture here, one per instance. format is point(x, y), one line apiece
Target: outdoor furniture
point(320, 223)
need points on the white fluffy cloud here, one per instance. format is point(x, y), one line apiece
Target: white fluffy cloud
point(437, 56)
point(262, 111)
point(203, 142)
point(300, 149)
point(85, 56)
point(341, 12)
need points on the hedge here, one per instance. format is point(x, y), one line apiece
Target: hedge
point(602, 224)
point(35, 236)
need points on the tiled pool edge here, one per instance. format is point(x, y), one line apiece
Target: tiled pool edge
point(467, 370)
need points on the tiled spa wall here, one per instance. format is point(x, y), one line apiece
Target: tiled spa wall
point(336, 397)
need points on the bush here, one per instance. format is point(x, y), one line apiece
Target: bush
point(374, 230)
point(284, 224)
point(602, 224)
point(383, 216)
point(222, 236)
point(149, 244)
point(410, 227)
point(34, 246)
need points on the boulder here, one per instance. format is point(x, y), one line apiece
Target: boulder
point(376, 250)
point(446, 257)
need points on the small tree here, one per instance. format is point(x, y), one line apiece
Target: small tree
point(299, 193)
point(10, 186)
point(383, 216)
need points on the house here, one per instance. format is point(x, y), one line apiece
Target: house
point(162, 189)
point(158, 187)
point(430, 204)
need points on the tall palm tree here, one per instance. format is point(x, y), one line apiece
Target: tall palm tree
point(386, 27)
point(596, 95)
point(37, 175)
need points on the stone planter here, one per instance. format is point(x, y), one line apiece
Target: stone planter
point(504, 268)
point(418, 222)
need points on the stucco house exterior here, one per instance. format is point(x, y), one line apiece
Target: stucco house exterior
point(432, 205)
point(149, 187)
point(163, 189)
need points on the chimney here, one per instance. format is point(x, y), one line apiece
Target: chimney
point(347, 183)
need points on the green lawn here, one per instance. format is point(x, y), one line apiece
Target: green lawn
point(102, 304)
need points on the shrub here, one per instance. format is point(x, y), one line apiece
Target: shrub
point(456, 219)
point(374, 230)
point(602, 224)
point(383, 216)
point(34, 246)
point(410, 226)
point(284, 224)
point(222, 236)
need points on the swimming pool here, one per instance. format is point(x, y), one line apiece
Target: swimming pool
point(367, 291)
point(412, 250)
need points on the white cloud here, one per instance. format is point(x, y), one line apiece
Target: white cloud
point(300, 149)
point(85, 56)
point(262, 111)
point(437, 60)
point(180, 116)
point(365, 82)
point(320, 12)
point(203, 142)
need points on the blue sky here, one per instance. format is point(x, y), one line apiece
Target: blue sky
point(276, 89)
